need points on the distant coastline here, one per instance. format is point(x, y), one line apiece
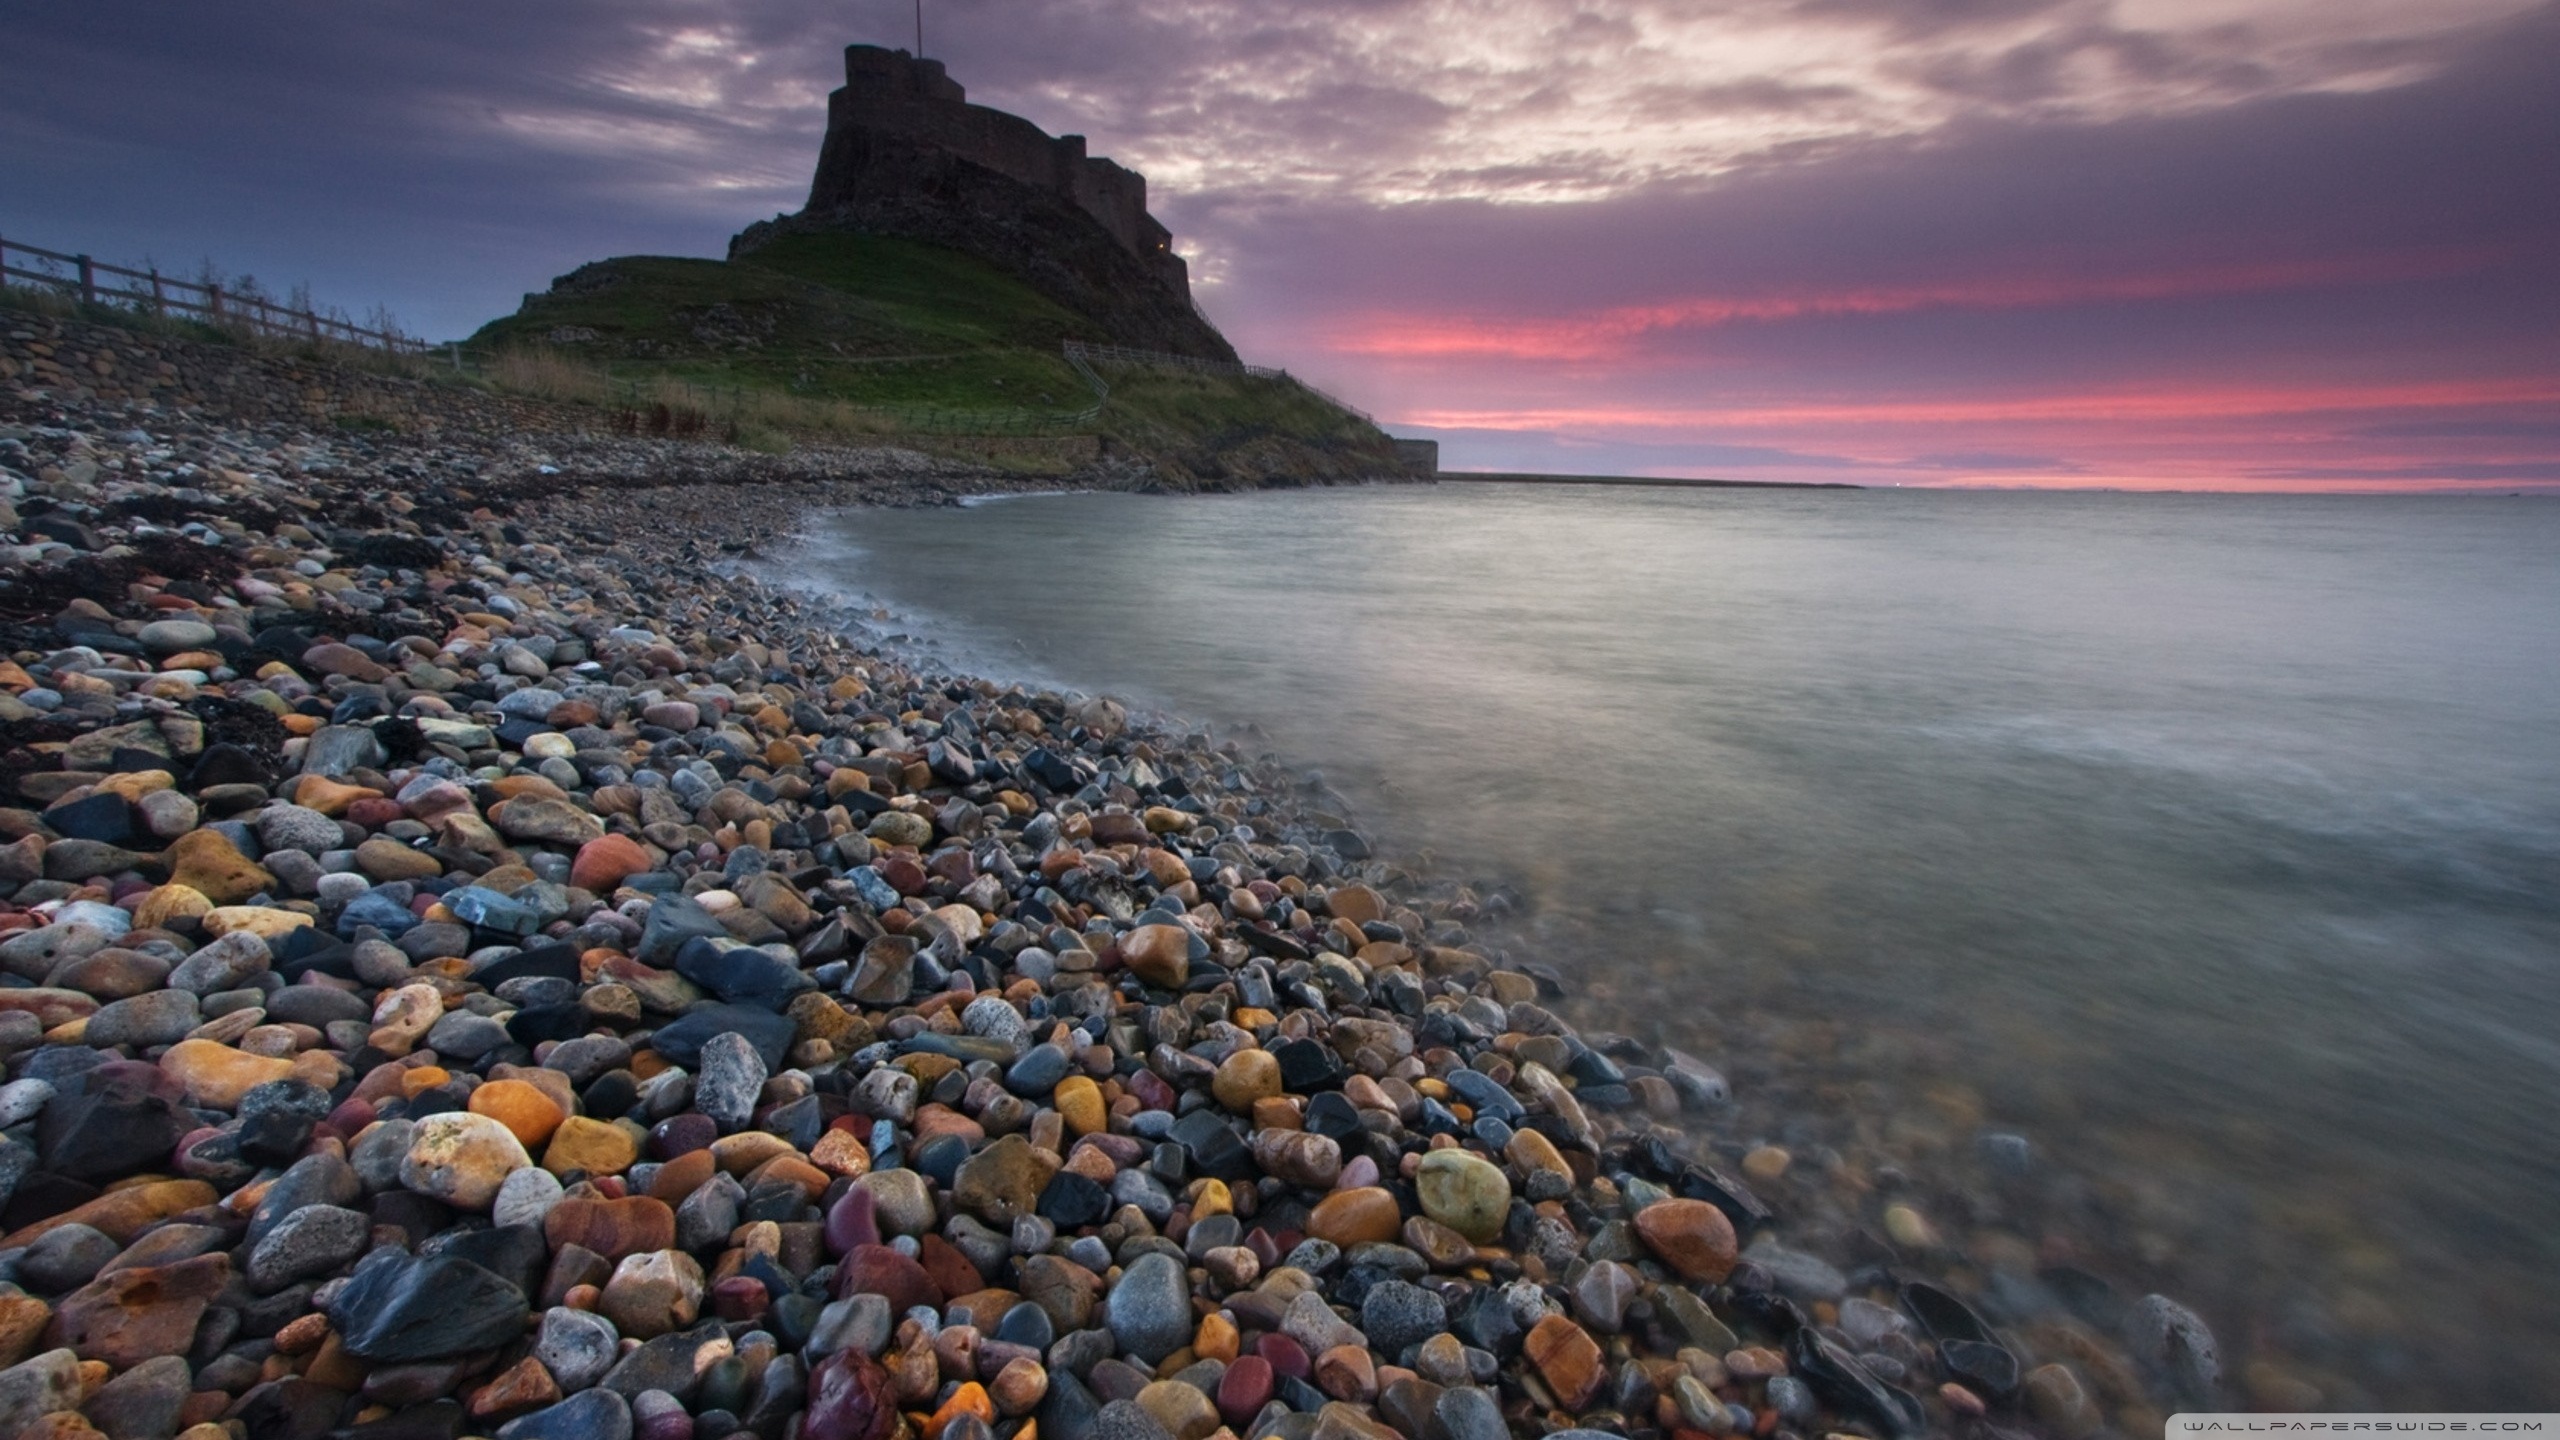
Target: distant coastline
point(1492, 477)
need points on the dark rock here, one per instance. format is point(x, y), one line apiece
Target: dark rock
point(879, 1270)
point(1333, 1116)
point(730, 1077)
point(513, 1253)
point(1149, 1311)
point(289, 1409)
point(1702, 1181)
point(1214, 1147)
point(2177, 1346)
point(310, 1242)
point(1027, 1324)
point(321, 1179)
point(143, 1402)
point(1395, 1315)
point(556, 962)
point(741, 974)
point(1038, 1072)
point(104, 817)
point(276, 1119)
point(1839, 1379)
point(227, 764)
point(316, 1005)
point(435, 1420)
point(65, 1258)
point(598, 1414)
point(681, 1041)
point(534, 1024)
point(1307, 1066)
point(399, 1308)
point(671, 1363)
point(1069, 1410)
point(1988, 1368)
point(1465, 1412)
point(673, 921)
point(106, 1127)
point(1127, 1420)
point(850, 1398)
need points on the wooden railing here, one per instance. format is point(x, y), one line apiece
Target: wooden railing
point(87, 280)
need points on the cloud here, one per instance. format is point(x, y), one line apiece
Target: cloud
point(2349, 276)
point(1620, 329)
point(1993, 460)
point(2461, 430)
point(1536, 452)
point(2530, 471)
point(2116, 234)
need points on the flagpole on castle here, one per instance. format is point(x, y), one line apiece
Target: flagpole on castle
point(919, 29)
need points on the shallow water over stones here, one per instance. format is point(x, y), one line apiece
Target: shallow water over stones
point(2111, 893)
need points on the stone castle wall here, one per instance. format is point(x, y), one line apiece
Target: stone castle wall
point(892, 98)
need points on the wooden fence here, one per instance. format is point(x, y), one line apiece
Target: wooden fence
point(85, 279)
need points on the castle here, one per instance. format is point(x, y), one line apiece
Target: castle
point(907, 155)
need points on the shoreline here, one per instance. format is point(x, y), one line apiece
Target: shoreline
point(637, 1055)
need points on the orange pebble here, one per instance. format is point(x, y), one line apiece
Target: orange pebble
point(520, 1105)
point(969, 1399)
point(1215, 1339)
point(424, 1078)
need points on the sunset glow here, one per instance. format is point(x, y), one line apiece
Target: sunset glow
point(2236, 243)
point(1618, 333)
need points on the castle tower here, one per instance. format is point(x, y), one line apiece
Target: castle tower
point(892, 96)
point(907, 156)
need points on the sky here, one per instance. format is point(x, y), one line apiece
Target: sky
point(2189, 244)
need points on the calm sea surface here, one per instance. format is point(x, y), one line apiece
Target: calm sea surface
point(2210, 843)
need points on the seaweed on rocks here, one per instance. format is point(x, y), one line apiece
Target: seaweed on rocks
point(166, 508)
point(392, 551)
point(252, 728)
point(43, 591)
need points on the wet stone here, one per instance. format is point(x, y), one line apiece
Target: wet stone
point(1396, 1315)
point(1149, 1311)
point(590, 1415)
point(310, 1242)
point(731, 1078)
point(402, 1309)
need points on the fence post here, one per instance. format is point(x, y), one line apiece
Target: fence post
point(213, 302)
point(456, 347)
point(159, 298)
point(88, 280)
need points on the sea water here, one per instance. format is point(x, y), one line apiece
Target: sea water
point(2209, 844)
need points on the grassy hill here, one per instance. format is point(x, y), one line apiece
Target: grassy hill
point(824, 336)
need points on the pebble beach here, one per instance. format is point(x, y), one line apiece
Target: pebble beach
point(474, 961)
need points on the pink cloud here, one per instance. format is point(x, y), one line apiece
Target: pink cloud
point(1617, 333)
point(2171, 403)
